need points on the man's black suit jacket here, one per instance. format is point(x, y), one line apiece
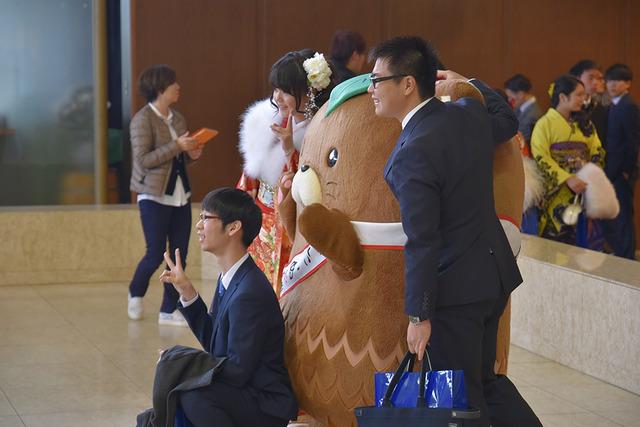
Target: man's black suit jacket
point(246, 327)
point(441, 172)
point(622, 139)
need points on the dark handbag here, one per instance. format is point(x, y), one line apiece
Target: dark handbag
point(388, 414)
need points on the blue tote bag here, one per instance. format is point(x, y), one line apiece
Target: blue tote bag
point(406, 398)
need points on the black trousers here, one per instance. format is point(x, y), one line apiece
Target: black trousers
point(221, 405)
point(464, 337)
point(159, 223)
point(620, 232)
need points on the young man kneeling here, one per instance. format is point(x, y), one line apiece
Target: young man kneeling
point(244, 323)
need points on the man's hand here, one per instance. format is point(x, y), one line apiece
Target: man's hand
point(576, 184)
point(449, 75)
point(418, 335)
point(177, 277)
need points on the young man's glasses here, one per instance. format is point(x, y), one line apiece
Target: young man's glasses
point(204, 216)
point(376, 80)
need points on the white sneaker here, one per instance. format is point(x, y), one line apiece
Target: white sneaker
point(172, 319)
point(134, 307)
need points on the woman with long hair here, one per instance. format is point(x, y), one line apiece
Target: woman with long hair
point(271, 134)
point(563, 141)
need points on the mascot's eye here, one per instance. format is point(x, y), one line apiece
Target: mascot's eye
point(333, 158)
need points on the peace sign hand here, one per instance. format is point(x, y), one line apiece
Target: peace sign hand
point(177, 277)
point(285, 135)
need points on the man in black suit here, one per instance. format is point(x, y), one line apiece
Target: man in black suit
point(518, 89)
point(621, 167)
point(590, 74)
point(459, 268)
point(244, 324)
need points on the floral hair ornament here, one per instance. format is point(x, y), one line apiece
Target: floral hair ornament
point(552, 86)
point(318, 78)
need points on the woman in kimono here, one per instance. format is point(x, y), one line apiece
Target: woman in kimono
point(564, 140)
point(271, 134)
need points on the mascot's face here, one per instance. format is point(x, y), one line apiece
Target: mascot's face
point(342, 162)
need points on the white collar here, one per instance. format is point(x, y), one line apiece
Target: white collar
point(618, 98)
point(159, 114)
point(414, 111)
point(526, 104)
point(228, 276)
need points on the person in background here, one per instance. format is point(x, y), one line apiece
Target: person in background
point(590, 74)
point(161, 151)
point(348, 54)
point(621, 166)
point(518, 89)
point(563, 140)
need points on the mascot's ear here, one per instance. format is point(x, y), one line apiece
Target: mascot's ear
point(306, 189)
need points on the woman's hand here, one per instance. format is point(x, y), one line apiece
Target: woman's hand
point(186, 143)
point(285, 135)
point(195, 153)
point(576, 184)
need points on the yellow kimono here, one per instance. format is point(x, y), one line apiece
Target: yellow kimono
point(560, 149)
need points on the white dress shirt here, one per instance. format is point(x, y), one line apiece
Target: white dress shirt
point(226, 280)
point(414, 111)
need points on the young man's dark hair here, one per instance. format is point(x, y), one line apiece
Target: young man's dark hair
point(410, 56)
point(582, 66)
point(619, 72)
point(344, 44)
point(155, 80)
point(518, 83)
point(231, 204)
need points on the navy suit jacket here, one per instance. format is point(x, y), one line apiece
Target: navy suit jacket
point(247, 327)
point(623, 138)
point(441, 172)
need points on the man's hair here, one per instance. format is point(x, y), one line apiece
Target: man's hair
point(155, 80)
point(619, 72)
point(518, 83)
point(582, 66)
point(231, 204)
point(344, 44)
point(411, 56)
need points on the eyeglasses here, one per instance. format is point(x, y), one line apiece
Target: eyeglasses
point(376, 80)
point(204, 217)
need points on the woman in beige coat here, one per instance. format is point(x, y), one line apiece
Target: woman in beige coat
point(159, 141)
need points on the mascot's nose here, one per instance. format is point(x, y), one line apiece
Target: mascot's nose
point(306, 188)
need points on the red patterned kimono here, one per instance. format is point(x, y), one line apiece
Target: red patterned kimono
point(264, 163)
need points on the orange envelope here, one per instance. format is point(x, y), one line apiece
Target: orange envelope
point(204, 135)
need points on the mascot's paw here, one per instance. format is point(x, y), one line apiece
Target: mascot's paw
point(333, 235)
point(285, 205)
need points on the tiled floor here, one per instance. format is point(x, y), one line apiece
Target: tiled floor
point(70, 357)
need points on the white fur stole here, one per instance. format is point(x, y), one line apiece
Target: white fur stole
point(599, 198)
point(533, 184)
point(263, 156)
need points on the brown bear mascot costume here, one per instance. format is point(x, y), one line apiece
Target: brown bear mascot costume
point(342, 292)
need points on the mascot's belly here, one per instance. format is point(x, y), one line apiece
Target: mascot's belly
point(338, 334)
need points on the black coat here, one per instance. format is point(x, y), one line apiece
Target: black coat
point(179, 369)
point(441, 172)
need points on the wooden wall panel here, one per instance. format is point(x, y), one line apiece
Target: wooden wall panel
point(223, 49)
point(467, 34)
point(546, 38)
point(212, 46)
